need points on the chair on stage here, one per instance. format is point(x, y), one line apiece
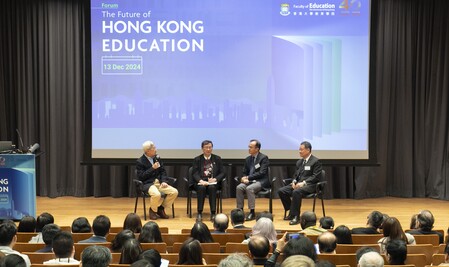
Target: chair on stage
point(265, 192)
point(141, 193)
point(192, 192)
point(319, 192)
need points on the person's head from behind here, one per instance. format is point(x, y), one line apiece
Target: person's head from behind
point(151, 233)
point(81, 225)
point(221, 222)
point(62, 245)
point(132, 222)
point(8, 232)
point(264, 214)
point(142, 263)
point(392, 228)
point(375, 219)
point(191, 252)
point(324, 263)
point(201, 232)
point(396, 252)
point(298, 261)
point(359, 253)
point(96, 256)
point(237, 216)
point(371, 259)
point(101, 225)
point(236, 260)
point(120, 239)
point(301, 246)
point(307, 219)
point(327, 242)
point(27, 224)
point(44, 219)
point(130, 252)
point(12, 260)
point(259, 247)
point(413, 221)
point(49, 232)
point(327, 222)
point(343, 234)
point(265, 227)
point(425, 220)
point(152, 256)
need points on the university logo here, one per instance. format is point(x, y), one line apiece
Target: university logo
point(285, 9)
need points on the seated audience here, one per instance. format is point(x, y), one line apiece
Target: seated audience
point(43, 219)
point(327, 222)
point(238, 219)
point(298, 261)
point(425, 225)
point(343, 234)
point(392, 230)
point(101, 226)
point(327, 243)
point(236, 260)
point(12, 260)
point(414, 221)
point(201, 232)
point(48, 233)
point(308, 224)
point(63, 249)
point(259, 247)
point(371, 259)
point(264, 227)
point(396, 252)
point(81, 225)
point(27, 224)
point(152, 256)
point(221, 223)
point(359, 253)
point(373, 224)
point(191, 253)
point(300, 246)
point(130, 252)
point(120, 239)
point(96, 256)
point(151, 233)
point(132, 222)
point(8, 239)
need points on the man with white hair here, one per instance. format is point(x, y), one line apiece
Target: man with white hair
point(371, 259)
point(151, 172)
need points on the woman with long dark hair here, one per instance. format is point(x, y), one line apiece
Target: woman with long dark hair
point(392, 230)
point(150, 233)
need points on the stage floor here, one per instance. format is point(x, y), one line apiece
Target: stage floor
point(350, 212)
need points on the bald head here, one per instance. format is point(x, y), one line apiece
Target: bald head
point(327, 242)
point(259, 246)
point(221, 222)
point(371, 259)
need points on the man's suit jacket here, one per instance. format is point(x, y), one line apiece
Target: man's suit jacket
point(94, 239)
point(147, 174)
point(310, 172)
point(198, 165)
point(261, 169)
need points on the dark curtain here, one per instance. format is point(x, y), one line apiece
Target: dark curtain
point(42, 91)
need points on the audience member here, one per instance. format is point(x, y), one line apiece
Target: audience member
point(392, 230)
point(308, 224)
point(414, 221)
point(396, 252)
point(327, 222)
point(300, 246)
point(236, 260)
point(343, 234)
point(191, 253)
point(264, 227)
point(101, 226)
point(48, 233)
point(152, 256)
point(374, 222)
point(12, 260)
point(151, 233)
point(359, 253)
point(8, 239)
point(371, 259)
point(96, 256)
point(63, 249)
point(238, 219)
point(265, 214)
point(327, 243)
point(27, 224)
point(221, 223)
point(201, 232)
point(259, 247)
point(298, 261)
point(43, 219)
point(425, 225)
point(130, 252)
point(323, 263)
point(120, 239)
point(81, 225)
point(132, 222)
point(141, 263)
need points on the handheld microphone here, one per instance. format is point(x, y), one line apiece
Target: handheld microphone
point(156, 158)
point(33, 148)
point(21, 146)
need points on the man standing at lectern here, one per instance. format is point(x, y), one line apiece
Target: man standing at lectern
point(151, 172)
point(307, 175)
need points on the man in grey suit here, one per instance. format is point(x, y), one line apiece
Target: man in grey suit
point(307, 175)
point(255, 177)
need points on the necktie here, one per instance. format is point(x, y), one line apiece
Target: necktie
point(252, 168)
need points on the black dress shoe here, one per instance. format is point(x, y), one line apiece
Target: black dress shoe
point(288, 217)
point(294, 221)
point(212, 217)
point(251, 216)
point(199, 217)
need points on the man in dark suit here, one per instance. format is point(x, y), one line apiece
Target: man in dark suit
point(255, 177)
point(151, 172)
point(207, 173)
point(307, 175)
point(425, 222)
point(101, 227)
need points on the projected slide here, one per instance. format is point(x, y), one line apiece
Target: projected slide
point(180, 71)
